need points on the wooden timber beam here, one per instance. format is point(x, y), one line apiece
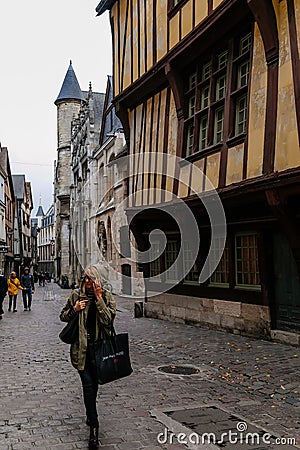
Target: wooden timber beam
point(264, 14)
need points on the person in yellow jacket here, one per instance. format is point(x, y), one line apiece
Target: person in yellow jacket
point(13, 288)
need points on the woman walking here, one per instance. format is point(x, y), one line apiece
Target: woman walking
point(96, 310)
point(13, 288)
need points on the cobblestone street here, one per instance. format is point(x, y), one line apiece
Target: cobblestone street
point(41, 402)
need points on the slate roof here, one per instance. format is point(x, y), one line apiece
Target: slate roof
point(70, 88)
point(19, 186)
point(99, 99)
point(104, 5)
point(112, 122)
point(40, 212)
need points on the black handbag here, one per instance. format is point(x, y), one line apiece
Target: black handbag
point(69, 334)
point(112, 357)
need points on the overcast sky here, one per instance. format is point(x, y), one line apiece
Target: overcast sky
point(38, 39)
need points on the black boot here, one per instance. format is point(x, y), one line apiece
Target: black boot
point(94, 441)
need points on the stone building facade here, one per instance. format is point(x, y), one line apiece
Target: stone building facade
point(68, 105)
point(85, 129)
point(109, 166)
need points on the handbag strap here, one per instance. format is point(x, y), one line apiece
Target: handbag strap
point(13, 282)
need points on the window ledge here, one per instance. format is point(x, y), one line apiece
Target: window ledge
point(219, 285)
point(202, 153)
point(248, 288)
point(235, 140)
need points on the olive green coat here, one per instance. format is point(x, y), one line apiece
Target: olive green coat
point(106, 311)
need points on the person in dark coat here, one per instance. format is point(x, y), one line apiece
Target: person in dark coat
point(96, 309)
point(3, 292)
point(27, 283)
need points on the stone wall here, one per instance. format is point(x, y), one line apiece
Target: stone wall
point(236, 317)
point(66, 110)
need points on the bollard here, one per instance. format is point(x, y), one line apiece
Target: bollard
point(138, 309)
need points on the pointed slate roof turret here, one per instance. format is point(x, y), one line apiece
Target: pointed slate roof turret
point(70, 88)
point(104, 5)
point(40, 211)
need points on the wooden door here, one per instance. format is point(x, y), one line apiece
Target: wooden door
point(286, 286)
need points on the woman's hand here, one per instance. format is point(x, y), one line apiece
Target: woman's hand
point(80, 305)
point(98, 290)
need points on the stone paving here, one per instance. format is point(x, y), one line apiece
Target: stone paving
point(40, 393)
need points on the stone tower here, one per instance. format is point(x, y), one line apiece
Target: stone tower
point(68, 105)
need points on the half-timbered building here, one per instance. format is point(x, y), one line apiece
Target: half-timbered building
point(215, 83)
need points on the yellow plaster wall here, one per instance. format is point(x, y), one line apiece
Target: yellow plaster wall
point(173, 127)
point(127, 62)
point(155, 121)
point(216, 3)
point(152, 170)
point(287, 153)
point(116, 59)
point(212, 171)
point(197, 177)
point(182, 20)
point(149, 34)
point(135, 32)
point(184, 180)
point(257, 108)
point(186, 19)
point(162, 113)
point(159, 171)
point(148, 125)
point(201, 11)
point(174, 30)
point(235, 164)
point(170, 174)
point(161, 25)
point(138, 128)
point(142, 38)
point(139, 185)
point(146, 177)
point(121, 22)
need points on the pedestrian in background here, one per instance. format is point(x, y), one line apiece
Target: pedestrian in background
point(3, 292)
point(96, 310)
point(41, 279)
point(27, 283)
point(13, 288)
point(35, 276)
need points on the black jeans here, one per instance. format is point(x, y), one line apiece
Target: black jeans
point(90, 386)
point(12, 299)
point(27, 293)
